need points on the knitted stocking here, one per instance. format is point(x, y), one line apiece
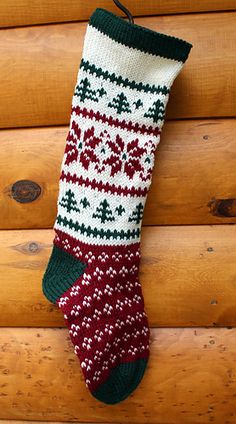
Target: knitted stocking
point(117, 113)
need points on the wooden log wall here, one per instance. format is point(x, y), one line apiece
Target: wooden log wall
point(193, 181)
point(187, 273)
point(28, 12)
point(42, 381)
point(203, 89)
point(188, 269)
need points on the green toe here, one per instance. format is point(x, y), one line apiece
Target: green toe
point(121, 382)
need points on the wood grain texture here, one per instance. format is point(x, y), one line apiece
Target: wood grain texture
point(187, 275)
point(28, 12)
point(193, 183)
point(205, 88)
point(36, 155)
point(190, 379)
point(45, 422)
point(35, 422)
point(50, 422)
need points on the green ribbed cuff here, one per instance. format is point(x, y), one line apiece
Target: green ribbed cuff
point(139, 37)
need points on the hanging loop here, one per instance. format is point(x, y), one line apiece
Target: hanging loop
point(125, 10)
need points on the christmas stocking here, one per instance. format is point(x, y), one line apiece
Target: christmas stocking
point(117, 114)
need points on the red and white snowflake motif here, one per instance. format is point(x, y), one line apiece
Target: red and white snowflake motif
point(125, 157)
point(128, 158)
point(118, 155)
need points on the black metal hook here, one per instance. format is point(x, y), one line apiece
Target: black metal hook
point(125, 10)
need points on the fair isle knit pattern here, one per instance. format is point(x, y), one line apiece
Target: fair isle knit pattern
point(118, 111)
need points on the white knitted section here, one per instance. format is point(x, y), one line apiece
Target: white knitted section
point(127, 61)
point(114, 131)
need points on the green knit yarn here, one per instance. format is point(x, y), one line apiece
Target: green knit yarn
point(141, 38)
point(121, 382)
point(62, 271)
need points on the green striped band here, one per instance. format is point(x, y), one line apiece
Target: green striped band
point(139, 37)
point(146, 88)
point(95, 232)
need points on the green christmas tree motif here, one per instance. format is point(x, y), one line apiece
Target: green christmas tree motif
point(84, 202)
point(137, 214)
point(83, 91)
point(120, 210)
point(120, 103)
point(68, 202)
point(138, 103)
point(104, 212)
point(156, 111)
point(101, 92)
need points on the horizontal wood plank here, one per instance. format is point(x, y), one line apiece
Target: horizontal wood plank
point(26, 12)
point(190, 379)
point(51, 54)
point(44, 422)
point(187, 274)
point(48, 422)
point(51, 422)
point(193, 182)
